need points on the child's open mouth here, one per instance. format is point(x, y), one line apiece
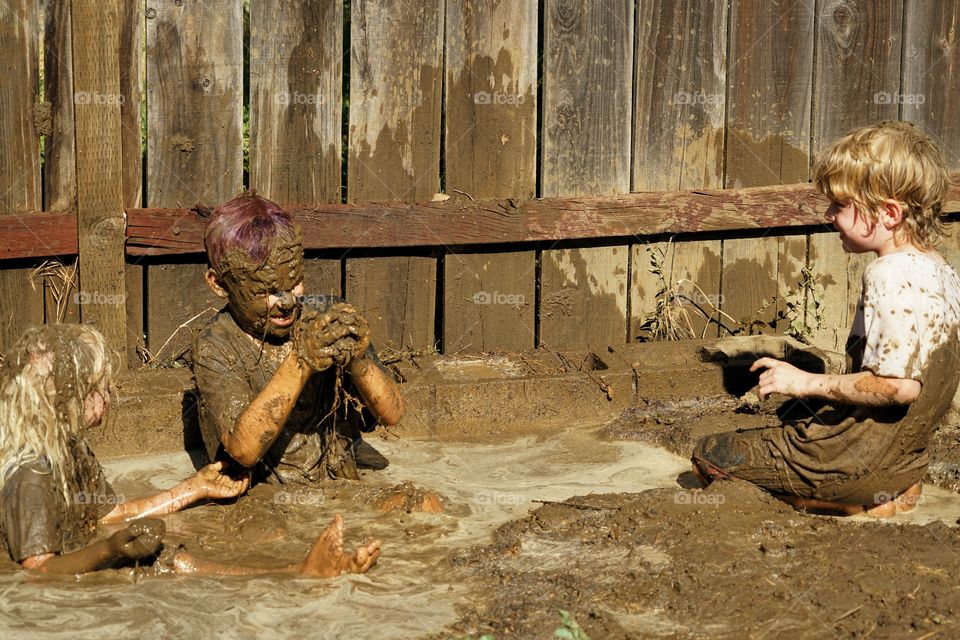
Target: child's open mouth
point(284, 320)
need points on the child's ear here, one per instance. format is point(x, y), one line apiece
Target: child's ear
point(214, 283)
point(891, 214)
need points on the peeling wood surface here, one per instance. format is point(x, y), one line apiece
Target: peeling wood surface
point(20, 188)
point(194, 152)
point(491, 107)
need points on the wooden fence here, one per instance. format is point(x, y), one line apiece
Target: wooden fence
point(147, 104)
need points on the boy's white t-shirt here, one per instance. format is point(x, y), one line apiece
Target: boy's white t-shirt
point(909, 305)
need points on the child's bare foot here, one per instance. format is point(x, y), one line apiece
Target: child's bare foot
point(327, 560)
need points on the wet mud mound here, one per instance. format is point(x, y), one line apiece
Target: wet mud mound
point(726, 562)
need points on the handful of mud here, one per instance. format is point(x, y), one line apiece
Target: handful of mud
point(333, 337)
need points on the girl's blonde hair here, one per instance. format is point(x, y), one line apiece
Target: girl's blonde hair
point(888, 161)
point(46, 376)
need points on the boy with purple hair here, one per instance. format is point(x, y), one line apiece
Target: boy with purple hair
point(270, 397)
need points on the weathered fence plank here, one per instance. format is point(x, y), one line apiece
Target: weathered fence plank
point(930, 95)
point(194, 153)
point(296, 73)
point(99, 169)
point(296, 78)
point(768, 140)
point(20, 189)
point(680, 83)
point(396, 63)
point(490, 151)
point(588, 75)
point(857, 66)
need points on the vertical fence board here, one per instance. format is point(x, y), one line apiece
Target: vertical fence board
point(768, 115)
point(59, 174)
point(698, 262)
point(296, 79)
point(768, 142)
point(394, 154)
point(587, 86)
point(858, 66)
point(932, 70)
point(132, 36)
point(791, 259)
point(194, 153)
point(296, 72)
point(99, 169)
point(490, 151)
point(679, 94)
point(20, 188)
point(645, 284)
point(828, 261)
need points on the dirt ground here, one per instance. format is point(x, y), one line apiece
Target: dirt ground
point(726, 562)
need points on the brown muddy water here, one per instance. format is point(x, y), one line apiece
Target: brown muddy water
point(641, 556)
point(409, 593)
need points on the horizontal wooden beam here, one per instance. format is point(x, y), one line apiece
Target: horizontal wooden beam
point(152, 232)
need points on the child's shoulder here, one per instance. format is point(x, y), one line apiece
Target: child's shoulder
point(908, 267)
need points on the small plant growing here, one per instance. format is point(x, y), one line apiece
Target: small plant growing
point(570, 629)
point(800, 315)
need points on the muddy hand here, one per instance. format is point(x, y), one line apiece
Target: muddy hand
point(139, 540)
point(781, 377)
point(212, 482)
point(358, 326)
point(316, 339)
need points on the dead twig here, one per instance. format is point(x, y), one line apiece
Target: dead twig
point(578, 506)
point(175, 332)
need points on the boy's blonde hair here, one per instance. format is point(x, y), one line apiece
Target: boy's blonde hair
point(888, 161)
point(46, 376)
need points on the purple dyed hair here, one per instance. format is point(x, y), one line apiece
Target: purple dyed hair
point(247, 223)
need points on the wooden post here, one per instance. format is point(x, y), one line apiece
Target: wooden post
point(100, 217)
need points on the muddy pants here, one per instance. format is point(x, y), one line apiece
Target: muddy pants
point(858, 461)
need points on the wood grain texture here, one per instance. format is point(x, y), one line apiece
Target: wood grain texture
point(750, 279)
point(587, 87)
point(858, 66)
point(296, 72)
point(828, 262)
point(931, 73)
point(99, 169)
point(194, 152)
point(696, 275)
point(491, 107)
point(396, 77)
point(20, 188)
point(680, 84)
point(59, 172)
point(768, 114)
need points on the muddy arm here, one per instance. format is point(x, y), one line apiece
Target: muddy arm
point(260, 423)
point(139, 540)
point(864, 388)
point(208, 483)
point(379, 391)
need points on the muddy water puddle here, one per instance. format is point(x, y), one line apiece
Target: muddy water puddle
point(481, 487)
point(411, 593)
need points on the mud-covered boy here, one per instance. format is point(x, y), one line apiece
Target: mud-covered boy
point(286, 381)
point(887, 185)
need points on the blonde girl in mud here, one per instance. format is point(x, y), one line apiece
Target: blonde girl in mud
point(55, 384)
point(868, 452)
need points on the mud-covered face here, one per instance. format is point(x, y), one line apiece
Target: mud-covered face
point(265, 301)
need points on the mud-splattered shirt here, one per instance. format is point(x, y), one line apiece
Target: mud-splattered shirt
point(231, 368)
point(909, 305)
point(35, 518)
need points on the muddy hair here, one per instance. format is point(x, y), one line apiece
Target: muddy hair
point(888, 161)
point(46, 376)
point(247, 224)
